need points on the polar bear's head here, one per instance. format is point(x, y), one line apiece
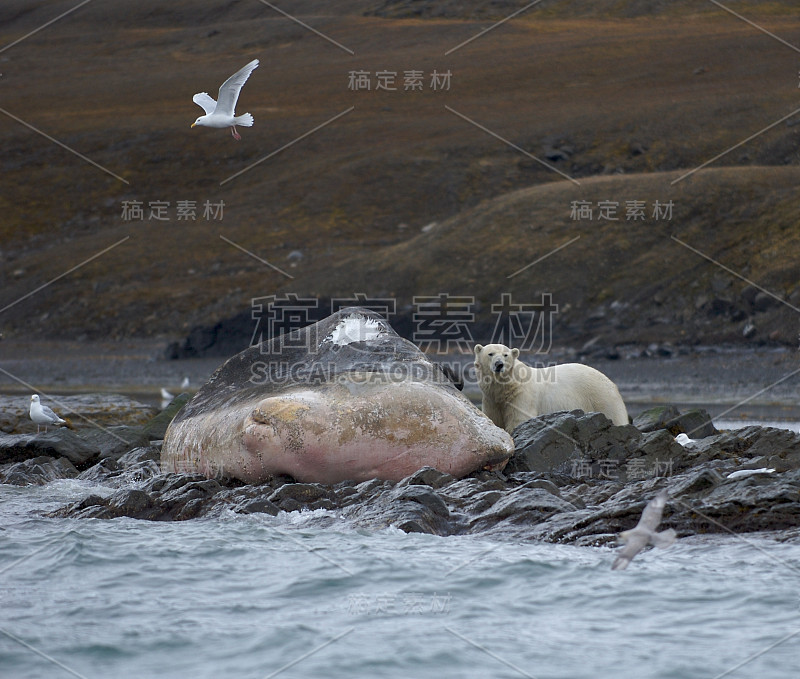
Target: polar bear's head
point(495, 359)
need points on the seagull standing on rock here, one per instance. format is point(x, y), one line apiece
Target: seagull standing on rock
point(42, 415)
point(220, 113)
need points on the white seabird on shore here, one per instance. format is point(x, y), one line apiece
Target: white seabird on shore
point(42, 415)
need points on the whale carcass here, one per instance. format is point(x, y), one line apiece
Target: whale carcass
point(346, 398)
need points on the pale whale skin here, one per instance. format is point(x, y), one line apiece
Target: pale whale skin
point(348, 409)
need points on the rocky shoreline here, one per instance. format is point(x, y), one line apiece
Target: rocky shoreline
point(575, 478)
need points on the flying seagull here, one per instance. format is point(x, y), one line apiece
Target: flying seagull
point(42, 415)
point(220, 113)
point(638, 538)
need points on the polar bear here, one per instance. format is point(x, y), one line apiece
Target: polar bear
point(514, 392)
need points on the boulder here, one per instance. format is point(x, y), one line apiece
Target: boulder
point(156, 428)
point(660, 417)
point(37, 471)
point(55, 443)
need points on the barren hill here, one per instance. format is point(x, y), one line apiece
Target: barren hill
point(623, 99)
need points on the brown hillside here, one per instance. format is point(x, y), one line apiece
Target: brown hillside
point(621, 99)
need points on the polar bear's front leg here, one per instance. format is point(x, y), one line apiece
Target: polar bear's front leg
point(515, 415)
point(492, 412)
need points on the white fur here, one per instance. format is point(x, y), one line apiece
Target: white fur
point(519, 392)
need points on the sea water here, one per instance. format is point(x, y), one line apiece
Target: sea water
point(305, 594)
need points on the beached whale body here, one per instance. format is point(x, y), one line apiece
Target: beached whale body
point(345, 398)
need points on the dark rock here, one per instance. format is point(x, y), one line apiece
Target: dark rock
point(114, 442)
point(660, 417)
point(564, 441)
point(37, 471)
point(413, 509)
point(134, 503)
point(545, 443)
point(466, 488)
point(99, 473)
point(762, 301)
point(169, 482)
point(697, 481)
point(88, 507)
point(157, 427)
point(221, 339)
point(259, 505)
point(773, 447)
point(544, 484)
point(748, 295)
point(555, 154)
point(194, 490)
point(427, 476)
point(55, 443)
point(293, 496)
point(191, 510)
point(422, 495)
point(635, 148)
point(660, 448)
point(591, 480)
point(482, 501)
point(779, 448)
point(363, 492)
point(528, 505)
point(138, 455)
point(130, 502)
point(750, 504)
point(696, 424)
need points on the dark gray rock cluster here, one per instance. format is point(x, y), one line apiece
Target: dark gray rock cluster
point(109, 432)
point(576, 478)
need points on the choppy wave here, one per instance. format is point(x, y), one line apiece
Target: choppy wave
point(261, 596)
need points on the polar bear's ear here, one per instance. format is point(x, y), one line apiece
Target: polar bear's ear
point(478, 349)
point(515, 353)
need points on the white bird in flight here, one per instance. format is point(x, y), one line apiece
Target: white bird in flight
point(638, 538)
point(220, 113)
point(42, 415)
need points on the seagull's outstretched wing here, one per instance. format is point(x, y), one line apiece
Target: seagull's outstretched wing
point(203, 100)
point(663, 539)
point(229, 90)
point(651, 516)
